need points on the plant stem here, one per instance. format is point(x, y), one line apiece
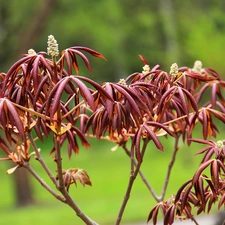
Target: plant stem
point(58, 160)
point(75, 207)
point(142, 176)
point(62, 189)
point(130, 185)
point(42, 182)
point(40, 159)
point(170, 166)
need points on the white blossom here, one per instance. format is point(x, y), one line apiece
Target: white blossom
point(52, 49)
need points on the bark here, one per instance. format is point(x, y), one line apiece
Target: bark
point(22, 187)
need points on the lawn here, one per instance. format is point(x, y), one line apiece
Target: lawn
point(109, 172)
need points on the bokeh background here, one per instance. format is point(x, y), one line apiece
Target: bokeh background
point(164, 32)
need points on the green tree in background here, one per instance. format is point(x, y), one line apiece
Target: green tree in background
point(163, 31)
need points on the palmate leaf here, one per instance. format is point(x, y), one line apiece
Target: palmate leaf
point(154, 214)
point(222, 200)
point(214, 170)
point(200, 170)
point(126, 95)
point(200, 192)
point(69, 55)
point(27, 73)
point(149, 130)
point(73, 175)
point(208, 127)
point(169, 217)
point(54, 99)
point(181, 189)
point(10, 117)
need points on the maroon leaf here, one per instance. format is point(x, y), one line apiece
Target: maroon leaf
point(169, 217)
point(215, 174)
point(153, 137)
point(200, 169)
point(154, 214)
point(143, 59)
point(16, 119)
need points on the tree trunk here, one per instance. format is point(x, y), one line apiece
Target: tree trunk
point(22, 187)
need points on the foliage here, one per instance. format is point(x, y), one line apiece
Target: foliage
point(40, 97)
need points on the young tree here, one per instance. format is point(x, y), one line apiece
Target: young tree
point(39, 96)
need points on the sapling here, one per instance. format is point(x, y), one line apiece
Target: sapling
point(43, 96)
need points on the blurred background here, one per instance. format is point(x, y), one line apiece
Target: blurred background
point(164, 32)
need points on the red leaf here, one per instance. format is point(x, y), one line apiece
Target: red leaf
point(215, 174)
point(169, 217)
point(85, 92)
point(16, 119)
point(143, 59)
point(153, 137)
point(200, 169)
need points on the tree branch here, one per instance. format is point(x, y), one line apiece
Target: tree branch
point(142, 176)
point(130, 185)
point(42, 182)
point(62, 189)
point(40, 159)
point(170, 166)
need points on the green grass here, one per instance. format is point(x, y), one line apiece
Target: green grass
point(109, 172)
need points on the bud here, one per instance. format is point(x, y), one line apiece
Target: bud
point(52, 49)
point(31, 52)
point(146, 69)
point(122, 82)
point(219, 144)
point(197, 66)
point(174, 69)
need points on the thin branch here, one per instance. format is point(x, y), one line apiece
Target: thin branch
point(130, 185)
point(42, 182)
point(58, 161)
point(62, 189)
point(40, 159)
point(170, 166)
point(142, 176)
point(75, 207)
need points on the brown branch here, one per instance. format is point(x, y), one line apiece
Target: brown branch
point(58, 160)
point(62, 189)
point(142, 176)
point(170, 166)
point(40, 159)
point(42, 182)
point(130, 185)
